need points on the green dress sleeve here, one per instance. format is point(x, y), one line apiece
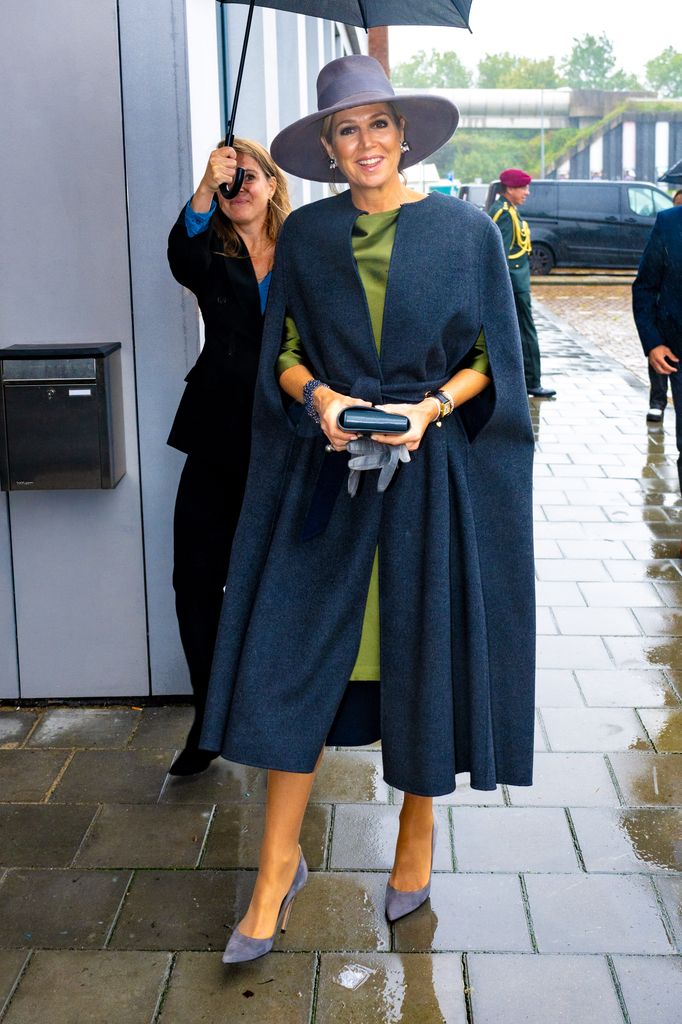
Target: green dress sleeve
point(291, 352)
point(479, 356)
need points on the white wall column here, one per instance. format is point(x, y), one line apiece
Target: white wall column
point(662, 158)
point(629, 148)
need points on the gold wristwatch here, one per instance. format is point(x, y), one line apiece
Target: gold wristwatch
point(445, 403)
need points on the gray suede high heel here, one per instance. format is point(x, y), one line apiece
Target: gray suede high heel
point(398, 903)
point(241, 948)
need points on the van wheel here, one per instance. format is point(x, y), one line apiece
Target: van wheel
point(541, 259)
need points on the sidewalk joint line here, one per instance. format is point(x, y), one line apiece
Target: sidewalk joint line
point(525, 899)
point(619, 991)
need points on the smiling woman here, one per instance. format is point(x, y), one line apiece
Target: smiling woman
point(222, 251)
point(400, 608)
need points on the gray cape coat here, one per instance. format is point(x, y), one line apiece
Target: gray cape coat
point(453, 530)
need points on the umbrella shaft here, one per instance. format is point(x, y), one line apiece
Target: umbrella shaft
point(229, 132)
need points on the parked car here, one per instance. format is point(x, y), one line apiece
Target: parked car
point(475, 193)
point(588, 223)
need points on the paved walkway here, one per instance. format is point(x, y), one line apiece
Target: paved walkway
point(556, 903)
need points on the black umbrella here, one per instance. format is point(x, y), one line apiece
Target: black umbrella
point(364, 13)
point(673, 175)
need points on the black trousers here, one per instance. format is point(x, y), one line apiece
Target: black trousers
point(207, 508)
point(529, 339)
point(658, 389)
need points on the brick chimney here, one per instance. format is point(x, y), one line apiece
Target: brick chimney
point(378, 46)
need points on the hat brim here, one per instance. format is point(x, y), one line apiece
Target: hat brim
point(431, 121)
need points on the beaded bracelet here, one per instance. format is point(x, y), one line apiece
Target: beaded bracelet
point(309, 390)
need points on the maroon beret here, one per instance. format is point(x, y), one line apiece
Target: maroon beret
point(514, 178)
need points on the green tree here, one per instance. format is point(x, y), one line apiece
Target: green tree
point(432, 70)
point(591, 64)
point(664, 73)
point(505, 71)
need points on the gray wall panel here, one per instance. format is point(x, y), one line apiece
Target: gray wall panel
point(9, 675)
point(158, 164)
point(77, 555)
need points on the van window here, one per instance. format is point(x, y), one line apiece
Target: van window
point(584, 200)
point(641, 201)
point(661, 202)
point(541, 201)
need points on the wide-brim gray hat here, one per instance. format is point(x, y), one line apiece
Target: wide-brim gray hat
point(356, 81)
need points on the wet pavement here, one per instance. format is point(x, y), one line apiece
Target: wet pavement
point(560, 902)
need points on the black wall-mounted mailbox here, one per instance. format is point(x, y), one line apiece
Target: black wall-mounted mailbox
point(61, 417)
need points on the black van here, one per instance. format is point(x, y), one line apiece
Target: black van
point(588, 223)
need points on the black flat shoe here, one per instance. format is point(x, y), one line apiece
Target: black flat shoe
point(541, 392)
point(192, 761)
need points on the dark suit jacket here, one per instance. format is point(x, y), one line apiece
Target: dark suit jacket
point(657, 290)
point(214, 416)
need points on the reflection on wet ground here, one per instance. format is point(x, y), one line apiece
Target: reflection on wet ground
point(558, 902)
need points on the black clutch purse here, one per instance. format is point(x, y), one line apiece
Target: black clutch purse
point(360, 419)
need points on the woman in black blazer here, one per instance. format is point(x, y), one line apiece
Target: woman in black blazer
point(222, 250)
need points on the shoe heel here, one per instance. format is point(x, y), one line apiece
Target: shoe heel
point(285, 918)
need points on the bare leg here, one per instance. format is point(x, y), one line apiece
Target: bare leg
point(413, 851)
point(288, 795)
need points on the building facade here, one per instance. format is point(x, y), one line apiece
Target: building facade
point(109, 112)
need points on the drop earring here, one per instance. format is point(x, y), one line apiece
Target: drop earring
point(404, 146)
point(332, 163)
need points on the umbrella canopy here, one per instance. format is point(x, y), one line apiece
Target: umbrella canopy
point(673, 175)
point(371, 13)
point(364, 13)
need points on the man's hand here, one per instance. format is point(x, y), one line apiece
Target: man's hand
point(663, 360)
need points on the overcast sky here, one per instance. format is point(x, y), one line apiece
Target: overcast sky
point(544, 28)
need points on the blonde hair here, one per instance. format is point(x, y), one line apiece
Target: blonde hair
point(279, 206)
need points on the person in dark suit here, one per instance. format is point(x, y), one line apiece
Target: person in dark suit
point(223, 251)
point(657, 306)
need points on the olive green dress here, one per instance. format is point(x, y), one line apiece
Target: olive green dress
point(373, 237)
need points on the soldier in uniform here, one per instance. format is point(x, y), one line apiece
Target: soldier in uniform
point(516, 238)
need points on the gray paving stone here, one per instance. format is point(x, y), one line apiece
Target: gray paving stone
point(595, 914)
point(42, 835)
point(15, 727)
point(74, 987)
point(223, 782)
point(467, 912)
point(346, 777)
point(652, 987)
point(648, 778)
point(557, 688)
point(563, 780)
point(182, 909)
point(143, 836)
point(339, 911)
point(276, 989)
point(113, 776)
point(84, 727)
point(513, 839)
point(59, 909)
point(365, 838)
point(671, 893)
point(627, 688)
point(27, 775)
point(412, 988)
point(592, 729)
point(518, 989)
point(165, 727)
point(11, 964)
point(236, 831)
point(644, 839)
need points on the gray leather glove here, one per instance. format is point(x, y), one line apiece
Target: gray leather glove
point(368, 454)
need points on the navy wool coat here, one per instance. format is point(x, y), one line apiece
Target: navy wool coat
point(453, 530)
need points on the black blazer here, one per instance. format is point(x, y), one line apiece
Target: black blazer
point(657, 290)
point(214, 416)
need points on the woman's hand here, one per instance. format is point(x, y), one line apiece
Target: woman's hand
point(220, 170)
point(328, 405)
point(419, 415)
